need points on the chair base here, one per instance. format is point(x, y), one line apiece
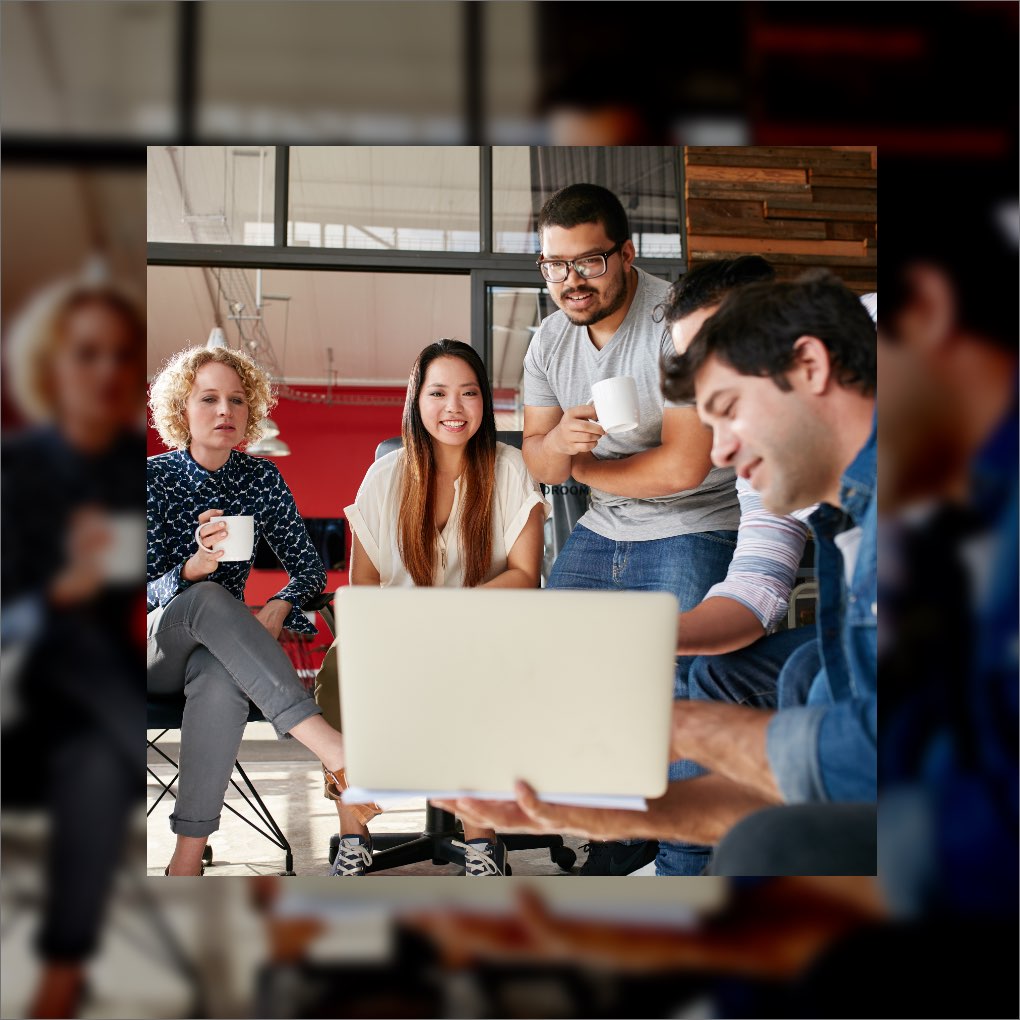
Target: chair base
point(436, 844)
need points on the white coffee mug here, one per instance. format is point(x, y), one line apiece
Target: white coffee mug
point(123, 557)
point(616, 404)
point(239, 541)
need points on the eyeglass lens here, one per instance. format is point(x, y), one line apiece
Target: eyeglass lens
point(587, 268)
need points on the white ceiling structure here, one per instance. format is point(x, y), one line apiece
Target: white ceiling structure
point(365, 328)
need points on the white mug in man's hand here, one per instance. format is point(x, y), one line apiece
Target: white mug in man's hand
point(616, 404)
point(238, 542)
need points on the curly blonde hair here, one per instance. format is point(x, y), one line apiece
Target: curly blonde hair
point(172, 385)
point(37, 333)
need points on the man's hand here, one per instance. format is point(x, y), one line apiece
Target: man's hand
point(530, 814)
point(575, 433)
point(773, 932)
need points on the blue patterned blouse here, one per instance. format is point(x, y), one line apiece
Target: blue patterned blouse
point(179, 489)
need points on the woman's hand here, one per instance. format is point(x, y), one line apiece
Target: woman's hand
point(273, 614)
point(203, 562)
point(82, 576)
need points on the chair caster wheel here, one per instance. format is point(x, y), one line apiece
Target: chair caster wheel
point(207, 854)
point(563, 857)
point(334, 846)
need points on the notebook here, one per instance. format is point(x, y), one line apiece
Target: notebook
point(451, 692)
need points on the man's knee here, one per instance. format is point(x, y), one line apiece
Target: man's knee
point(801, 839)
point(701, 685)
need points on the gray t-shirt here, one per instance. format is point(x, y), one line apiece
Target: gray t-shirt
point(559, 369)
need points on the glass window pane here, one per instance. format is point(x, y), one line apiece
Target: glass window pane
point(514, 314)
point(361, 72)
point(310, 328)
point(89, 70)
point(644, 177)
point(211, 194)
point(385, 197)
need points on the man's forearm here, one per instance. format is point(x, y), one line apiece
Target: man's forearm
point(716, 626)
point(701, 810)
point(644, 475)
point(729, 740)
point(545, 466)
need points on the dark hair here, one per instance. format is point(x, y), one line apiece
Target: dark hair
point(708, 283)
point(977, 252)
point(585, 203)
point(756, 327)
point(416, 524)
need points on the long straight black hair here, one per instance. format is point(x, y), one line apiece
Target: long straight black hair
point(416, 527)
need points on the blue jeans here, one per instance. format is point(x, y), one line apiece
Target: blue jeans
point(745, 677)
point(686, 565)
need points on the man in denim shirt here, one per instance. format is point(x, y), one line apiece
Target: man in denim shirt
point(784, 374)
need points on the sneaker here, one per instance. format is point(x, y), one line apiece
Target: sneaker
point(613, 858)
point(353, 855)
point(483, 859)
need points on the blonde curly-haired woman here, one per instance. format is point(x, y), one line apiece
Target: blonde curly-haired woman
point(202, 639)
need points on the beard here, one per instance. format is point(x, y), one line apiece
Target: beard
point(612, 300)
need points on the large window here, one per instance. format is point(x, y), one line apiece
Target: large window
point(340, 263)
point(385, 197)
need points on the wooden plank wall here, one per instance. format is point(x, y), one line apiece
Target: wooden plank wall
point(797, 206)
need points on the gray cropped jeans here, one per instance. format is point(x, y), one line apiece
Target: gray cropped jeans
point(210, 646)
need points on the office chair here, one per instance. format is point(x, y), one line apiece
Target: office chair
point(804, 595)
point(435, 841)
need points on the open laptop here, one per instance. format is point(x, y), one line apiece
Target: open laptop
point(454, 691)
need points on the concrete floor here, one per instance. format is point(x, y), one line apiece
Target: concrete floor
point(288, 779)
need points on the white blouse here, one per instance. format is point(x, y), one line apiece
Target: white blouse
point(373, 517)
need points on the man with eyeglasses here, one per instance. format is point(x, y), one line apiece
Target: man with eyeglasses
point(660, 517)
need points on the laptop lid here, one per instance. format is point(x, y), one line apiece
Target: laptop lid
point(454, 691)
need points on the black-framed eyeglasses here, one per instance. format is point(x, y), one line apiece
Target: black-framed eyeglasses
point(588, 267)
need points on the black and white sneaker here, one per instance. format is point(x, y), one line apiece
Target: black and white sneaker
point(483, 859)
point(353, 855)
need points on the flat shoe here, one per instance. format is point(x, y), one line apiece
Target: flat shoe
point(336, 783)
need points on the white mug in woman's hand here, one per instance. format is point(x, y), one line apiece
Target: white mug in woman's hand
point(239, 540)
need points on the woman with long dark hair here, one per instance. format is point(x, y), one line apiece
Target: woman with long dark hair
point(452, 508)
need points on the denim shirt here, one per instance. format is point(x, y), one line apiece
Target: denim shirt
point(179, 489)
point(826, 749)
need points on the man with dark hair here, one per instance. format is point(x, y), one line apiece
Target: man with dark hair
point(736, 630)
point(660, 517)
point(949, 516)
point(703, 287)
point(784, 374)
